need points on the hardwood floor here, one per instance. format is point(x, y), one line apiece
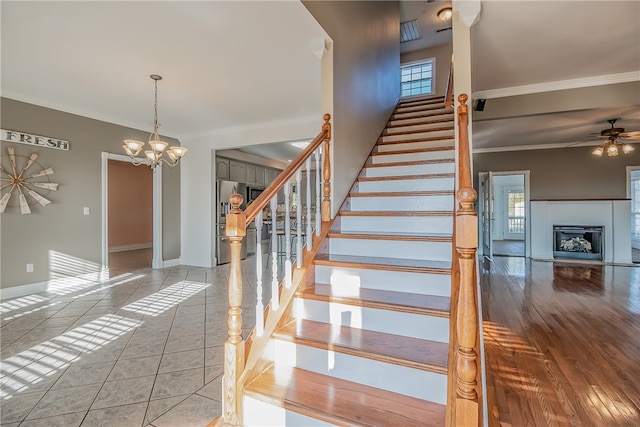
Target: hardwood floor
point(508, 247)
point(562, 343)
point(126, 261)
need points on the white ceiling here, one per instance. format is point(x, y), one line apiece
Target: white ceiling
point(232, 63)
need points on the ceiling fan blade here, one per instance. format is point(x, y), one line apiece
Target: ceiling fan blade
point(631, 135)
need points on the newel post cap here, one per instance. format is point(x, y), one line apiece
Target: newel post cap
point(236, 219)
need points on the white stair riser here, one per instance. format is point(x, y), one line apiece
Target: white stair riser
point(404, 203)
point(408, 157)
point(425, 134)
point(410, 169)
point(436, 251)
point(414, 109)
point(417, 120)
point(412, 382)
point(341, 278)
point(426, 125)
point(422, 184)
point(394, 224)
point(259, 413)
point(417, 145)
point(371, 319)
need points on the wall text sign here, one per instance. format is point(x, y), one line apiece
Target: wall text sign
point(27, 138)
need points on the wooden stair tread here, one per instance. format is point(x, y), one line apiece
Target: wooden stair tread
point(402, 193)
point(409, 163)
point(396, 213)
point(405, 177)
point(404, 236)
point(342, 402)
point(377, 298)
point(380, 263)
point(420, 123)
point(409, 115)
point(397, 349)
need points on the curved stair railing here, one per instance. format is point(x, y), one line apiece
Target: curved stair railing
point(241, 356)
point(464, 401)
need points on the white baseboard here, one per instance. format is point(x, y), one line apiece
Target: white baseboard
point(123, 248)
point(171, 263)
point(206, 263)
point(22, 290)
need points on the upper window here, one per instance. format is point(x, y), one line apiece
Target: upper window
point(417, 78)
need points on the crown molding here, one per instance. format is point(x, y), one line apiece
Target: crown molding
point(536, 147)
point(558, 85)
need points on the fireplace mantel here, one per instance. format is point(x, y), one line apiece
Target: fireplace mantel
point(614, 215)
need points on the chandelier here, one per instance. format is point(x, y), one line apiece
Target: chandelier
point(612, 147)
point(154, 156)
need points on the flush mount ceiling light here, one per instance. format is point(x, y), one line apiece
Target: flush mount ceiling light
point(445, 14)
point(154, 156)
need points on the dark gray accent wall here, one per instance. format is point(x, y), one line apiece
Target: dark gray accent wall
point(564, 173)
point(58, 239)
point(366, 79)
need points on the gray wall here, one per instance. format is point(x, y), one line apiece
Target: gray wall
point(366, 79)
point(442, 54)
point(60, 230)
point(564, 173)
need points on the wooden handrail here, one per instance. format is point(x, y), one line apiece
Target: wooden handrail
point(467, 401)
point(448, 96)
point(263, 199)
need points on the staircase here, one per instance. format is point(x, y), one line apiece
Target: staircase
point(366, 341)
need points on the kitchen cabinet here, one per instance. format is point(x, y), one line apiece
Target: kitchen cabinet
point(237, 171)
point(222, 169)
point(260, 176)
point(270, 176)
point(252, 174)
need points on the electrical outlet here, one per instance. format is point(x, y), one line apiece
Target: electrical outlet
point(86, 210)
point(30, 268)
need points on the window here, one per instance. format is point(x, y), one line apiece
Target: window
point(516, 211)
point(635, 206)
point(417, 78)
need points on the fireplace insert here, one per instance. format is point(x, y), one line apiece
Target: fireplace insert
point(578, 242)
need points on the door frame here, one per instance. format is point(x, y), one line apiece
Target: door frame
point(157, 261)
point(527, 208)
point(629, 170)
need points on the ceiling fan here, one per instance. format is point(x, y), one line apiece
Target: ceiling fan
point(612, 144)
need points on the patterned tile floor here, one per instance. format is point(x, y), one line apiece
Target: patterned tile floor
point(143, 348)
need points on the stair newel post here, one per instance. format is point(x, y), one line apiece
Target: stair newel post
point(234, 347)
point(467, 405)
point(326, 171)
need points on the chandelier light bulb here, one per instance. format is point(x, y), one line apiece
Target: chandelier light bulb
point(598, 152)
point(612, 150)
point(627, 148)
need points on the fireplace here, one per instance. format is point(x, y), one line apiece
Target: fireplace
point(578, 242)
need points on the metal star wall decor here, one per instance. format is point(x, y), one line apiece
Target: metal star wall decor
point(15, 178)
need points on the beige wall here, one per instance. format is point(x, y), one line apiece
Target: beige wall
point(442, 54)
point(59, 233)
point(565, 173)
point(130, 206)
point(366, 79)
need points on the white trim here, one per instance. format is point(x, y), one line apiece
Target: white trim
point(606, 79)
point(22, 290)
point(535, 147)
point(433, 76)
point(124, 248)
point(170, 263)
point(157, 210)
point(205, 263)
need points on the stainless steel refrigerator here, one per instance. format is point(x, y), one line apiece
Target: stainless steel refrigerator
point(224, 189)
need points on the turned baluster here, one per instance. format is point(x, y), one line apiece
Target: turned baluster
point(326, 171)
point(259, 305)
point(317, 154)
point(234, 347)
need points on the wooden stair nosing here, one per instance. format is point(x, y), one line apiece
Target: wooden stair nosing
point(411, 109)
point(413, 150)
point(420, 103)
point(413, 353)
point(404, 177)
point(423, 304)
point(387, 264)
point(413, 131)
point(402, 193)
point(412, 140)
point(410, 163)
point(410, 115)
point(443, 238)
point(341, 402)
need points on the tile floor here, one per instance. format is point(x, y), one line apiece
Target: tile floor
point(144, 348)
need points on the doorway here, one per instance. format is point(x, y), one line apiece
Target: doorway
point(504, 213)
point(633, 193)
point(131, 217)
